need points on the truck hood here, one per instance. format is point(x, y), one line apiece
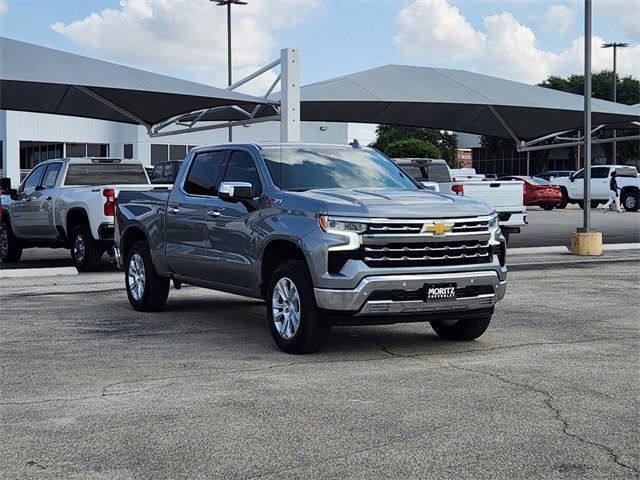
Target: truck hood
point(393, 203)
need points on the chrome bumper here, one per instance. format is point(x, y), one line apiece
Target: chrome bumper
point(356, 300)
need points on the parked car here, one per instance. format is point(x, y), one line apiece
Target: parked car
point(67, 203)
point(165, 172)
point(506, 197)
point(573, 187)
point(326, 234)
point(538, 191)
point(550, 174)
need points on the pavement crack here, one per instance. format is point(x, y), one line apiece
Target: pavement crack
point(557, 414)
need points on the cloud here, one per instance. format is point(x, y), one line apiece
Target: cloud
point(364, 132)
point(4, 6)
point(505, 47)
point(558, 18)
point(434, 26)
point(188, 37)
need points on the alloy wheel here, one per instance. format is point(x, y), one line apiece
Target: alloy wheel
point(4, 242)
point(285, 304)
point(79, 248)
point(136, 276)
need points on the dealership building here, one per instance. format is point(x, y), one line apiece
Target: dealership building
point(28, 138)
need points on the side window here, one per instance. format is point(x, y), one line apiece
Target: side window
point(51, 175)
point(157, 172)
point(33, 180)
point(600, 172)
point(581, 173)
point(243, 169)
point(168, 170)
point(203, 174)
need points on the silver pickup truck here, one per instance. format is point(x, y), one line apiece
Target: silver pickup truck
point(66, 203)
point(326, 234)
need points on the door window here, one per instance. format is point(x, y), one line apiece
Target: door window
point(168, 170)
point(203, 174)
point(600, 172)
point(157, 172)
point(51, 175)
point(243, 169)
point(33, 180)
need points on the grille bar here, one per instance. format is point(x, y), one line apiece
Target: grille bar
point(423, 258)
point(445, 248)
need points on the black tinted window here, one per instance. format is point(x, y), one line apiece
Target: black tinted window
point(242, 169)
point(105, 174)
point(600, 172)
point(50, 176)
point(33, 180)
point(203, 174)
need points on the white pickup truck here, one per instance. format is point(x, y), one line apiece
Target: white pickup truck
point(67, 203)
point(573, 186)
point(507, 197)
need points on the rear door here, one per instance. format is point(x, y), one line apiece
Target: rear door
point(600, 182)
point(25, 209)
point(230, 243)
point(186, 214)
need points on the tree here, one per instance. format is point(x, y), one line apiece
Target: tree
point(445, 143)
point(412, 148)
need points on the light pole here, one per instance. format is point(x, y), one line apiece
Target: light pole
point(615, 46)
point(228, 3)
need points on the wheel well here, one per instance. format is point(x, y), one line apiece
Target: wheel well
point(75, 217)
point(627, 190)
point(277, 252)
point(130, 236)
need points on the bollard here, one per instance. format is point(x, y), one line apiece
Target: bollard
point(589, 243)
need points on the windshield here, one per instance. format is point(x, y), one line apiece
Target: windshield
point(93, 174)
point(307, 168)
point(540, 181)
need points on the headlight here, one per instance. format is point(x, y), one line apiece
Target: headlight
point(332, 225)
point(493, 223)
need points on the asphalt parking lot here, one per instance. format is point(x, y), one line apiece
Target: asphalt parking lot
point(93, 389)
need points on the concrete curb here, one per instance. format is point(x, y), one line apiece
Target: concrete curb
point(611, 247)
point(38, 272)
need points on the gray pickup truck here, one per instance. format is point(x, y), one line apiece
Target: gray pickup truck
point(326, 234)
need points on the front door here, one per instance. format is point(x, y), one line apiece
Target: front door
point(25, 209)
point(46, 226)
point(231, 228)
point(186, 215)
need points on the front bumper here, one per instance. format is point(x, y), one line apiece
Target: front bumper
point(356, 301)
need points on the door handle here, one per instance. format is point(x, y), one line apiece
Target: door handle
point(213, 213)
point(48, 198)
point(174, 210)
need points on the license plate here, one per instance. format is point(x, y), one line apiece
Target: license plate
point(434, 292)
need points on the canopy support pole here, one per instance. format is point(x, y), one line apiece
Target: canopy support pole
point(506, 126)
point(217, 126)
point(290, 97)
point(113, 106)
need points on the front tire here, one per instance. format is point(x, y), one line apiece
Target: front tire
point(10, 246)
point(462, 330)
point(147, 291)
point(295, 322)
point(631, 202)
point(565, 200)
point(85, 251)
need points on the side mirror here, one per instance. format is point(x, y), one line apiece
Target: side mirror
point(572, 178)
point(234, 191)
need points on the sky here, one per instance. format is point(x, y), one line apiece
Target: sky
point(522, 40)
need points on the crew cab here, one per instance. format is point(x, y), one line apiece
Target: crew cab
point(573, 186)
point(67, 203)
point(506, 197)
point(325, 234)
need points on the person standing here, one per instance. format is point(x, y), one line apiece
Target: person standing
point(613, 193)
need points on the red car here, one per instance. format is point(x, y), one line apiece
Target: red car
point(538, 191)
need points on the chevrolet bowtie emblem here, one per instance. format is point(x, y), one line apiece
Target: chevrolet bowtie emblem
point(437, 228)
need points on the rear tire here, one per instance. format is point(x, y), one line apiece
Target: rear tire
point(147, 291)
point(594, 204)
point(462, 330)
point(565, 199)
point(85, 251)
point(547, 207)
point(581, 204)
point(295, 321)
point(10, 245)
point(631, 202)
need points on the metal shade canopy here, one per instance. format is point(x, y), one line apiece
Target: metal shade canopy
point(453, 100)
point(43, 80)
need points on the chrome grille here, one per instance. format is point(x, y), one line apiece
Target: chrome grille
point(427, 254)
point(409, 227)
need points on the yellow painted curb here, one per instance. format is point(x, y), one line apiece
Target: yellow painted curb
point(586, 243)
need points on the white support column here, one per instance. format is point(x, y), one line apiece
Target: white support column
point(290, 96)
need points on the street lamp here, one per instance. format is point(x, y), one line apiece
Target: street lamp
point(228, 3)
point(615, 46)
